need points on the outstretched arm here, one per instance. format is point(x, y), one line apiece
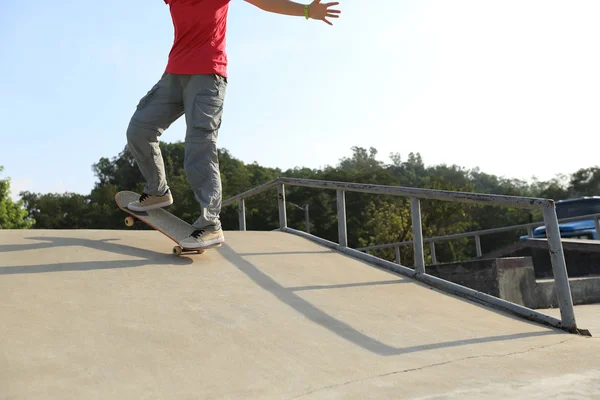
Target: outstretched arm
point(316, 9)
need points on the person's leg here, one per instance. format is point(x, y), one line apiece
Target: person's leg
point(156, 111)
point(203, 100)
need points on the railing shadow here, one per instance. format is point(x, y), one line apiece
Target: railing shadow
point(346, 285)
point(286, 253)
point(342, 329)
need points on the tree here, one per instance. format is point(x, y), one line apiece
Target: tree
point(585, 182)
point(371, 219)
point(389, 222)
point(361, 160)
point(58, 211)
point(12, 215)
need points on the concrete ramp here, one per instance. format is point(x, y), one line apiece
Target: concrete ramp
point(270, 315)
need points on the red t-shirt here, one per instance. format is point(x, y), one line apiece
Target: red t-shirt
point(199, 44)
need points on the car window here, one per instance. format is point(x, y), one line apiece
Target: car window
point(578, 208)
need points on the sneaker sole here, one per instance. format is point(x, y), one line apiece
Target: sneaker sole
point(211, 243)
point(152, 207)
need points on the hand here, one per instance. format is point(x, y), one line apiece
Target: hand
point(321, 11)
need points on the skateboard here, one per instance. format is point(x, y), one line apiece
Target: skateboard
point(163, 221)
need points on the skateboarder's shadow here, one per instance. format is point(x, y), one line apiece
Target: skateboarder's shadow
point(78, 246)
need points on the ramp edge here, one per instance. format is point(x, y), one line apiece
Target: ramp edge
point(446, 286)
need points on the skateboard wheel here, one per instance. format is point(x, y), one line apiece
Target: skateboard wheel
point(177, 250)
point(129, 221)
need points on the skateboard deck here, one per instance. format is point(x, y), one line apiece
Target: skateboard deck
point(161, 220)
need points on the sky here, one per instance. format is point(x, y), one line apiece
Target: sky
point(511, 87)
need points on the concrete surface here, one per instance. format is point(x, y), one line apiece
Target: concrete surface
point(587, 315)
point(112, 314)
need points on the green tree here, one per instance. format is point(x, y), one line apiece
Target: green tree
point(441, 218)
point(371, 219)
point(585, 182)
point(389, 222)
point(556, 188)
point(12, 215)
point(361, 160)
point(58, 211)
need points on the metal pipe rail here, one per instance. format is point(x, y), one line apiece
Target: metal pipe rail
point(479, 233)
point(559, 268)
point(429, 194)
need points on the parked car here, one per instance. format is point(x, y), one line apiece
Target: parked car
point(582, 229)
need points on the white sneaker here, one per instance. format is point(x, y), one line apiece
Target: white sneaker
point(150, 202)
point(201, 238)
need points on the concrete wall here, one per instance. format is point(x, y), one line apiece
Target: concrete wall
point(511, 279)
point(581, 256)
point(478, 274)
point(579, 263)
point(583, 291)
point(514, 279)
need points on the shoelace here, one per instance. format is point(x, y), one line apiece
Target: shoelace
point(197, 233)
point(144, 196)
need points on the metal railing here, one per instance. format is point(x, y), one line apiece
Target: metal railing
point(477, 235)
point(567, 321)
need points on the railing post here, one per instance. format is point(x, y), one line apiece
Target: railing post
point(530, 231)
point(433, 256)
point(307, 219)
point(341, 212)
point(281, 200)
point(242, 214)
point(559, 269)
point(415, 209)
point(398, 255)
point(478, 245)
point(597, 223)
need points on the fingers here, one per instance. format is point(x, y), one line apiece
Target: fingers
point(324, 19)
point(331, 12)
point(324, 10)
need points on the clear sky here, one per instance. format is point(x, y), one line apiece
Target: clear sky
point(511, 86)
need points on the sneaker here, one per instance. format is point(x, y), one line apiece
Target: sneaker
point(201, 238)
point(150, 202)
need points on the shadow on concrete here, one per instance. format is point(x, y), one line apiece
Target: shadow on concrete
point(347, 285)
point(149, 256)
point(286, 253)
point(343, 330)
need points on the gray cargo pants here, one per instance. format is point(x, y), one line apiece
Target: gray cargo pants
point(200, 98)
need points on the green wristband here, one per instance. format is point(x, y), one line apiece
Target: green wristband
point(306, 11)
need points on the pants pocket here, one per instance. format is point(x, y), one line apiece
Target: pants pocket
point(208, 111)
